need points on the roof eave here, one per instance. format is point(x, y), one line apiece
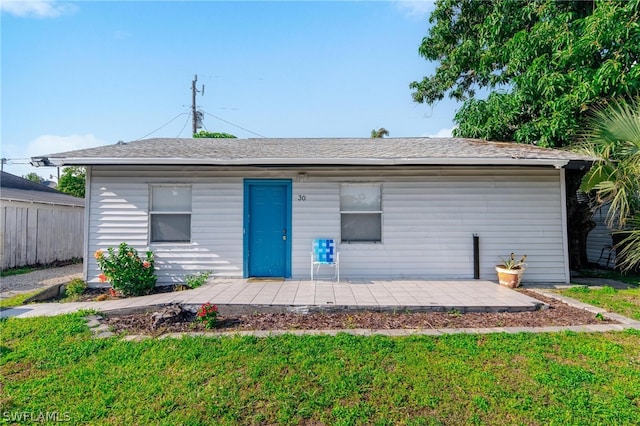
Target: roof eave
point(78, 161)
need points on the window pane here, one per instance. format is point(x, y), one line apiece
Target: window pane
point(170, 227)
point(361, 227)
point(360, 198)
point(171, 198)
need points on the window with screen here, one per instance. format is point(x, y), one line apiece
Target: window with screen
point(361, 212)
point(170, 214)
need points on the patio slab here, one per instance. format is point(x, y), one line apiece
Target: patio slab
point(240, 296)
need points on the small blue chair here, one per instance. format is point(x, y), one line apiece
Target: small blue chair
point(323, 252)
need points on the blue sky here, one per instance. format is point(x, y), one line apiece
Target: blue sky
point(78, 74)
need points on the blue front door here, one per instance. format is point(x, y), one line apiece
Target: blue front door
point(267, 242)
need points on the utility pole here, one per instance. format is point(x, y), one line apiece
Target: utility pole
point(196, 115)
point(2, 163)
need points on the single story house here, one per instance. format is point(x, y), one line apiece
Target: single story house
point(397, 207)
point(38, 224)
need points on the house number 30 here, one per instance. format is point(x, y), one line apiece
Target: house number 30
point(302, 197)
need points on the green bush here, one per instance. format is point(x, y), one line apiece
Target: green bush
point(196, 280)
point(126, 270)
point(75, 288)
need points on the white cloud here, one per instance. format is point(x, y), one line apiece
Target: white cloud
point(416, 8)
point(37, 8)
point(48, 144)
point(19, 156)
point(442, 133)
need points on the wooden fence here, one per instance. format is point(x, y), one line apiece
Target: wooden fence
point(39, 233)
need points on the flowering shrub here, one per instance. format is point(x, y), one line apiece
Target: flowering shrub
point(126, 270)
point(208, 315)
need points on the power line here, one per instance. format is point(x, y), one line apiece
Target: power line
point(164, 125)
point(185, 125)
point(234, 125)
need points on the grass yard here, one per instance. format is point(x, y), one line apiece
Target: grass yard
point(54, 365)
point(16, 271)
point(625, 302)
point(16, 300)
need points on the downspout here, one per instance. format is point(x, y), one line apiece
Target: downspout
point(476, 256)
point(87, 207)
point(565, 230)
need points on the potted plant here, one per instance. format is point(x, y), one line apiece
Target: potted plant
point(510, 271)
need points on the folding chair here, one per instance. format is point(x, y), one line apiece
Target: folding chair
point(323, 252)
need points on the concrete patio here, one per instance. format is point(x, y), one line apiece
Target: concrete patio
point(237, 296)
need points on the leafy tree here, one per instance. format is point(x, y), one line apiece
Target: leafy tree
point(215, 135)
point(72, 181)
point(380, 133)
point(545, 63)
point(613, 137)
point(33, 177)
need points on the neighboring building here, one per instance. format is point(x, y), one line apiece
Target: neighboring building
point(399, 207)
point(600, 248)
point(39, 225)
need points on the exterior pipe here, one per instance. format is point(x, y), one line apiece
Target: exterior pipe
point(476, 256)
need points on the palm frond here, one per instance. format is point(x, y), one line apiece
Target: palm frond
point(629, 247)
point(613, 137)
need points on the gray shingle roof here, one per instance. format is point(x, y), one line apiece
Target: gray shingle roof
point(7, 180)
point(344, 151)
point(15, 188)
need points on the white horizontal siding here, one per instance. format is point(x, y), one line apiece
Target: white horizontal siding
point(429, 217)
point(318, 216)
point(119, 213)
point(599, 240)
point(428, 224)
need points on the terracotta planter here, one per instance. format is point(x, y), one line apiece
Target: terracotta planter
point(509, 277)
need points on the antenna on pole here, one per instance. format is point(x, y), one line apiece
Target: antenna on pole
point(196, 115)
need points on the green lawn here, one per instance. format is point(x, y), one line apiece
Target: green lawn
point(625, 302)
point(16, 271)
point(54, 365)
point(16, 300)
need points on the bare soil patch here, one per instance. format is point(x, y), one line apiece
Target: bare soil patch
point(558, 314)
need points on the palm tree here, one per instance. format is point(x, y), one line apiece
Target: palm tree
point(380, 133)
point(613, 138)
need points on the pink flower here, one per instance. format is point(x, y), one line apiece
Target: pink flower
point(146, 264)
point(102, 278)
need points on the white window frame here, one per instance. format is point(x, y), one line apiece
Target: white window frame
point(368, 212)
point(163, 212)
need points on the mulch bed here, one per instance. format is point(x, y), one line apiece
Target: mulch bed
point(559, 314)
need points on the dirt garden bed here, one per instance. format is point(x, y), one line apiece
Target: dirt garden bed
point(558, 314)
